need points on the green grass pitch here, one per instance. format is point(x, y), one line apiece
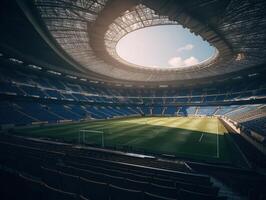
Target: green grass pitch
point(196, 138)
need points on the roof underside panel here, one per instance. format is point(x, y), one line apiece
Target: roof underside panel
point(88, 30)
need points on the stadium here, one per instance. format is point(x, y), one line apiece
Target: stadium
point(132, 100)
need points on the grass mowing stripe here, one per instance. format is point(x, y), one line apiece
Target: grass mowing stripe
point(152, 133)
point(193, 137)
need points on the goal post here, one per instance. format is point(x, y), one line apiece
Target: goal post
point(84, 132)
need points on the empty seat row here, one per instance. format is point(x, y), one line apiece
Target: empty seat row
point(139, 173)
point(17, 187)
point(63, 175)
point(138, 181)
point(76, 179)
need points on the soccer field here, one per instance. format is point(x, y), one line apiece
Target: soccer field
point(197, 138)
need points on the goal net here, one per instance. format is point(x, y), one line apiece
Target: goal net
point(87, 136)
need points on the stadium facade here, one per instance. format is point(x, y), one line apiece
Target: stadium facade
point(79, 122)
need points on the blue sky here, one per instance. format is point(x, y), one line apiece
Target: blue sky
point(163, 46)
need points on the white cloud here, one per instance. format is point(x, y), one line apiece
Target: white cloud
point(179, 62)
point(176, 62)
point(187, 47)
point(191, 61)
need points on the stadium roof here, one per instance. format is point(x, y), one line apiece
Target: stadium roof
point(84, 34)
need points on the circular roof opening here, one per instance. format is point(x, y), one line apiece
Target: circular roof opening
point(164, 47)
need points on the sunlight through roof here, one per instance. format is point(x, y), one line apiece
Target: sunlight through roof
point(164, 46)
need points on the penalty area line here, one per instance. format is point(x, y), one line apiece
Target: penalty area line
point(201, 137)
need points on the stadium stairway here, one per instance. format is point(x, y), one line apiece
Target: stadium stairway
point(255, 157)
point(227, 191)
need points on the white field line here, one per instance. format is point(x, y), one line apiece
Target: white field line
point(217, 146)
point(201, 137)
